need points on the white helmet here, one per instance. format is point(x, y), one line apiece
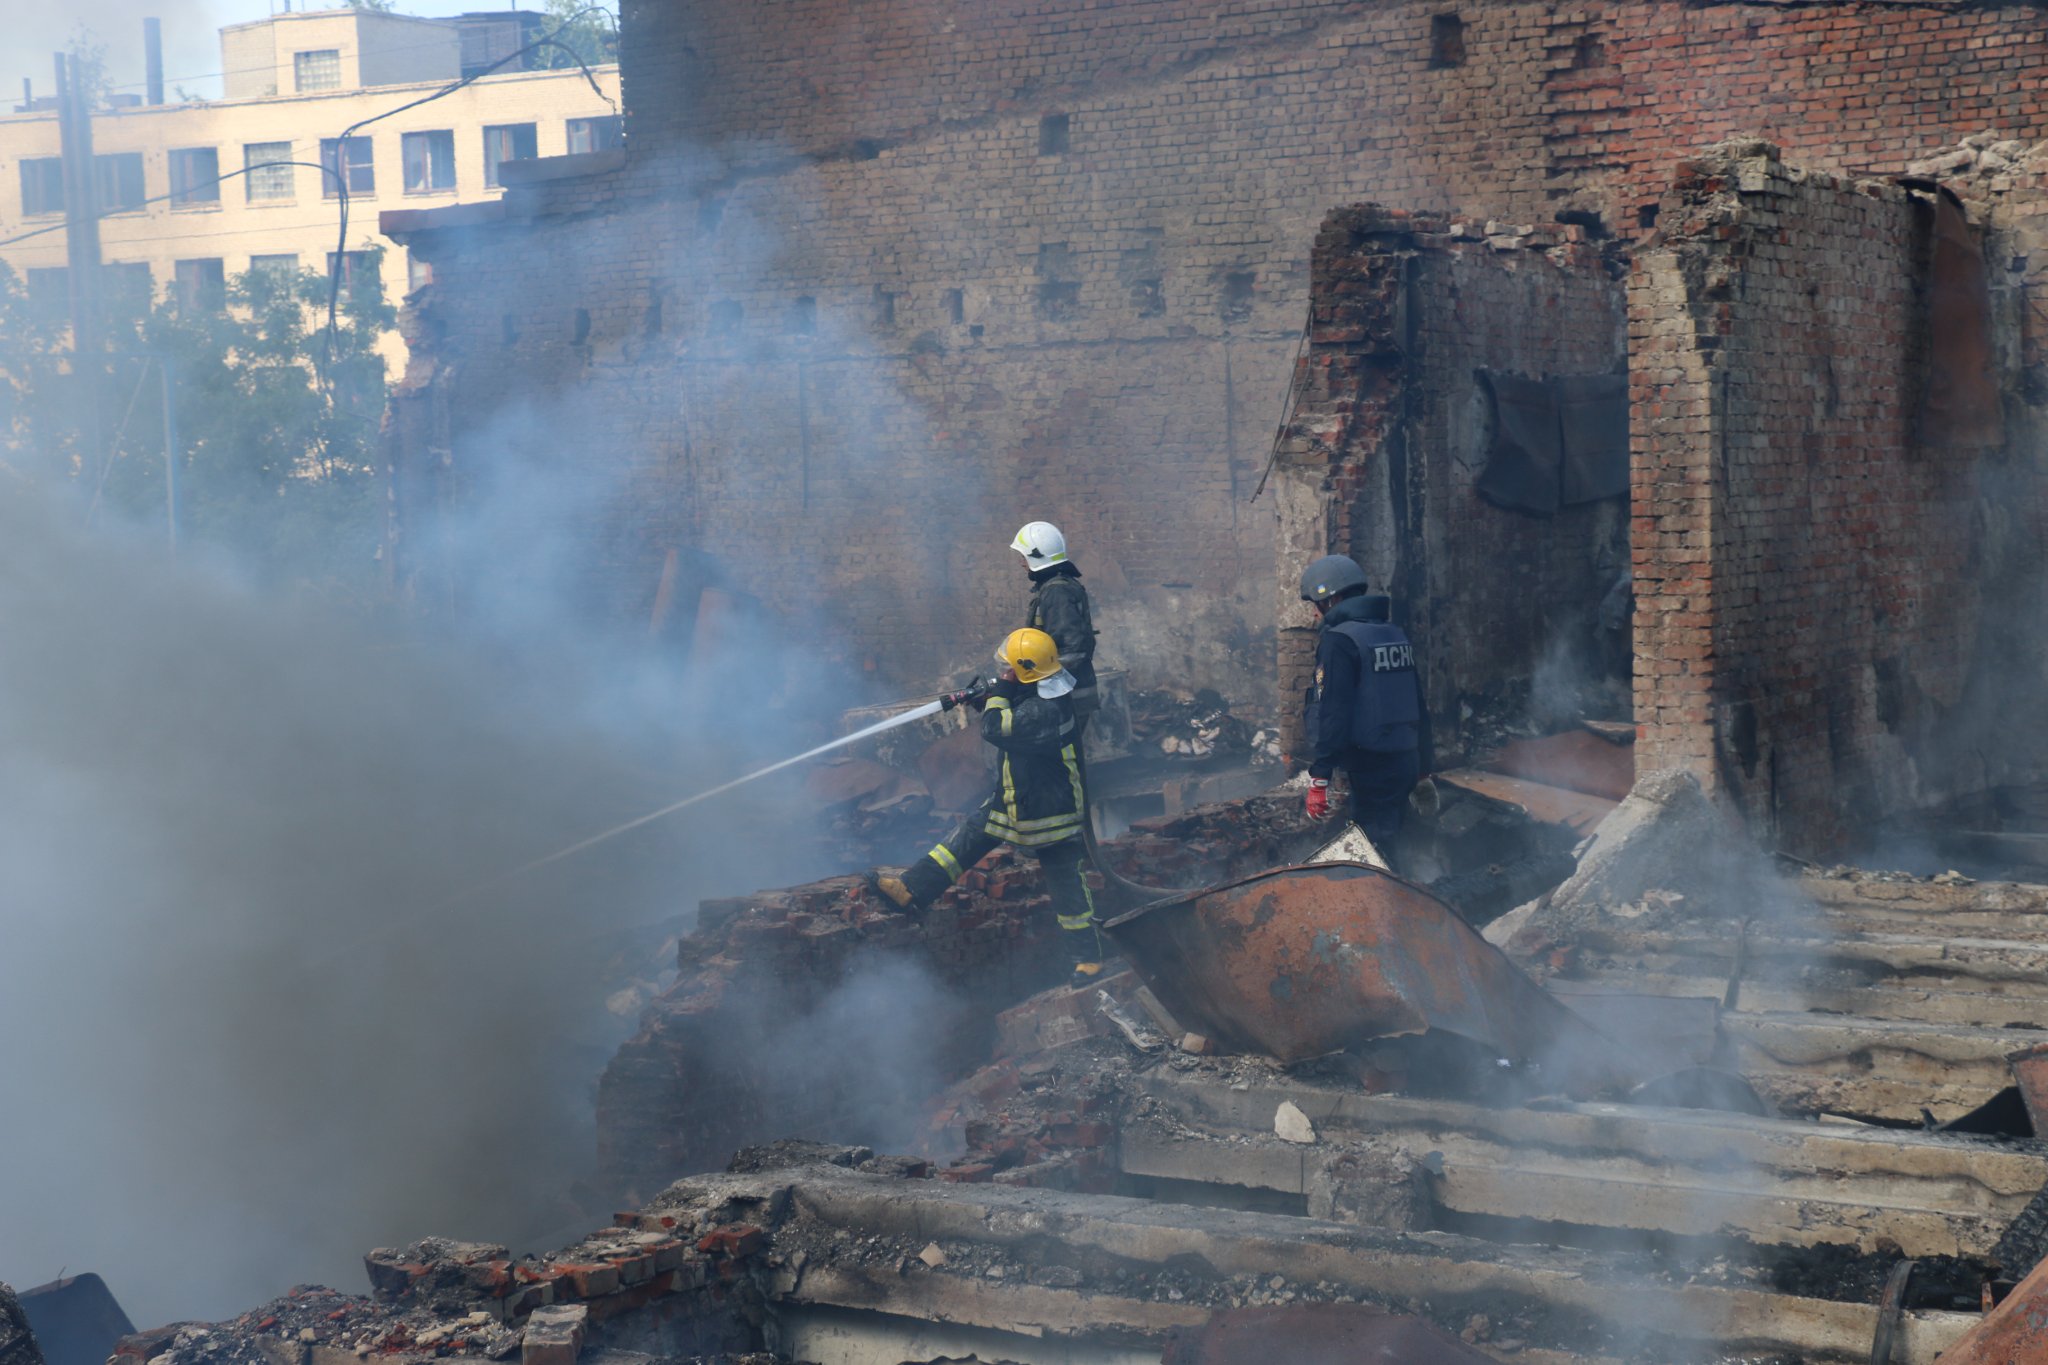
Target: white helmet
point(1041, 544)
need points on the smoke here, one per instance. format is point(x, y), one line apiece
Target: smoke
point(247, 1037)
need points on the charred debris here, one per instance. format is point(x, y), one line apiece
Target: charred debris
point(1691, 1104)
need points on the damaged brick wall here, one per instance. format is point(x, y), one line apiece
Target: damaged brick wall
point(1390, 432)
point(751, 1042)
point(1806, 542)
point(927, 273)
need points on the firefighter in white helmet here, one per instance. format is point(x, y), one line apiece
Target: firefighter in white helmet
point(1059, 607)
point(1038, 803)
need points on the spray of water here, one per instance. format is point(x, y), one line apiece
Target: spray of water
point(930, 708)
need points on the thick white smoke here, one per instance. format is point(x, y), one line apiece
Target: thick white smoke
point(239, 1042)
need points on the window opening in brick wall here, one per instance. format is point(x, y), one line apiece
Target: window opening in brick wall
point(317, 70)
point(579, 327)
point(1446, 40)
point(278, 265)
point(200, 285)
point(1646, 216)
point(803, 316)
point(1588, 52)
point(418, 273)
point(885, 307)
point(267, 181)
point(726, 317)
point(428, 160)
point(596, 134)
point(195, 177)
point(352, 165)
point(1148, 298)
point(508, 142)
point(1236, 303)
point(956, 306)
point(117, 180)
point(42, 184)
point(1058, 300)
point(1054, 134)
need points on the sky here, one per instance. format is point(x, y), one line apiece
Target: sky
point(36, 30)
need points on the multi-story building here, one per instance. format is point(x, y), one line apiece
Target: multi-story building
point(195, 192)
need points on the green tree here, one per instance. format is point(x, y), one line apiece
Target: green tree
point(275, 425)
point(587, 30)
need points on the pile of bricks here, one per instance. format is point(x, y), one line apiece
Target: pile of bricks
point(760, 970)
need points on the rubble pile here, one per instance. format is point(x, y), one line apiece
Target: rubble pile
point(1198, 726)
point(17, 1343)
point(674, 1100)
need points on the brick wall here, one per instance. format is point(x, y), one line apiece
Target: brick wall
point(1056, 262)
point(1389, 435)
point(1806, 560)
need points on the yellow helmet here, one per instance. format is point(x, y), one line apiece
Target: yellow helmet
point(1031, 654)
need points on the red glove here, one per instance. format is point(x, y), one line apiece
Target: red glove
point(1318, 798)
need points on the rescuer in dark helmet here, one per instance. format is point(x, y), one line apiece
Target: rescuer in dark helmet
point(1365, 713)
point(1039, 802)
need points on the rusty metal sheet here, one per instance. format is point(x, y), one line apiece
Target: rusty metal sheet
point(1577, 760)
point(2030, 1070)
point(1550, 805)
point(1962, 406)
point(1318, 1334)
point(2014, 1332)
point(1304, 961)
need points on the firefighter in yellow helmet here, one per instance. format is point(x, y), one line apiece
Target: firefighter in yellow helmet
point(1038, 802)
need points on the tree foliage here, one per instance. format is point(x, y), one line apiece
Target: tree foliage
point(275, 433)
point(586, 29)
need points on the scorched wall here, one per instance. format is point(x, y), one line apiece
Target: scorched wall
point(878, 282)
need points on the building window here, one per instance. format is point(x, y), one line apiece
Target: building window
point(49, 291)
point(418, 273)
point(201, 286)
point(596, 134)
point(509, 142)
point(281, 265)
point(269, 173)
point(130, 282)
point(358, 270)
point(117, 181)
point(195, 177)
point(319, 70)
point(42, 184)
point(429, 161)
point(355, 169)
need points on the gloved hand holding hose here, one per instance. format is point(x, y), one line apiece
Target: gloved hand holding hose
point(973, 695)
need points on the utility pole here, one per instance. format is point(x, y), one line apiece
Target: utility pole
point(82, 252)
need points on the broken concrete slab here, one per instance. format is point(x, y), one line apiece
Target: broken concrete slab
point(1684, 1172)
point(1667, 854)
point(1123, 1273)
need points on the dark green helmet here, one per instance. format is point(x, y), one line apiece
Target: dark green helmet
point(1331, 576)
